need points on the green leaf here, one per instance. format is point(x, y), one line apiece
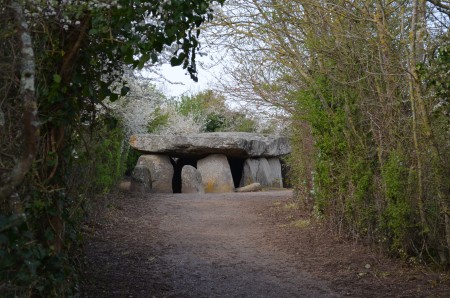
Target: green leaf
point(175, 62)
point(143, 60)
point(57, 78)
point(124, 90)
point(113, 97)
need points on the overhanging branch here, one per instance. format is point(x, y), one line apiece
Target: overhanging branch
point(444, 6)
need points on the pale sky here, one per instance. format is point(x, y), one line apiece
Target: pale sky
point(184, 84)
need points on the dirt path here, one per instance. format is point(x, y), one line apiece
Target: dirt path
point(234, 245)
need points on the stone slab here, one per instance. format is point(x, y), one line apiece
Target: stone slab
point(232, 144)
point(250, 188)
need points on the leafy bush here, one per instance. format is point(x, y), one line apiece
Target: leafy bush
point(100, 159)
point(244, 124)
point(131, 161)
point(34, 259)
point(158, 120)
point(208, 109)
point(367, 189)
point(109, 162)
point(214, 122)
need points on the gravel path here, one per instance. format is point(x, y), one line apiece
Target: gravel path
point(197, 246)
point(230, 245)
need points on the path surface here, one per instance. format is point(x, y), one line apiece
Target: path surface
point(222, 245)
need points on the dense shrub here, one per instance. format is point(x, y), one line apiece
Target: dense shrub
point(209, 109)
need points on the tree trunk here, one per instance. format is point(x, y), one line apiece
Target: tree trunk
point(30, 111)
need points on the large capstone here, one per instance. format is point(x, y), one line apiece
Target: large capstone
point(216, 174)
point(231, 144)
point(161, 171)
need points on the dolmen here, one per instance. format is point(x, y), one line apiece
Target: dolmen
point(216, 162)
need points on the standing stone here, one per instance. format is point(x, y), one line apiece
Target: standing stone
point(161, 172)
point(256, 171)
point(141, 181)
point(275, 169)
point(216, 174)
point(191, 180)
point(249, 172)
point(263, 176)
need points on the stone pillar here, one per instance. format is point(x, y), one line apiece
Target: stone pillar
point(275, 169)
point(262, 171)
point(191, 180)
point(216, 174)
point(161, 171)
point(141, 180)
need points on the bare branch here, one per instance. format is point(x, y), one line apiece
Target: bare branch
point(443, 5)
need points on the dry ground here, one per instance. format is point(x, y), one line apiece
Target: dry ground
point(234, 245)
